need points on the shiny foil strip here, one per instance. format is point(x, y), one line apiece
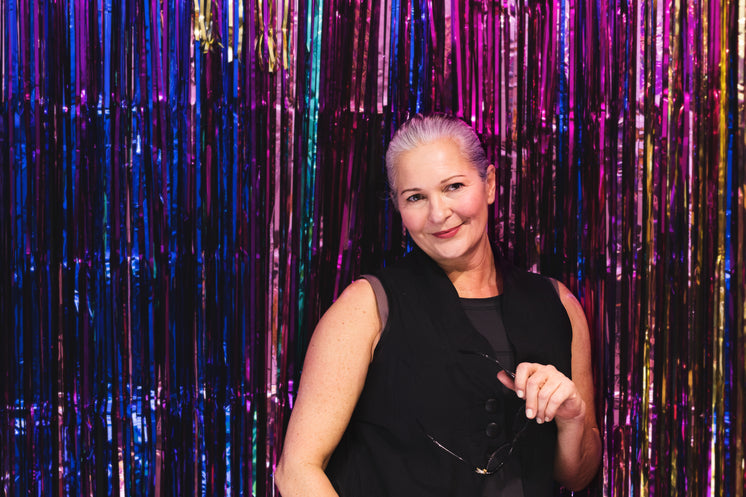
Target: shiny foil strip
point(185, 187)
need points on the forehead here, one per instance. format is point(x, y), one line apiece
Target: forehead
point(432, 159)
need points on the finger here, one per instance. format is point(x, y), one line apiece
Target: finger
point(506, 380)
point(534, 383)
point(568, 400)
point(547, 389)
point(522, 373)
point(545, 396)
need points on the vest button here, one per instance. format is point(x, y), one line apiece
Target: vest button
point(492, 430)
point(491, 405)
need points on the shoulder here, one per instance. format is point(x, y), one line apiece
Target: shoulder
point(581, 340)
point(358, 292)
point(569, 302)
point(357, 303)
point(352, 320)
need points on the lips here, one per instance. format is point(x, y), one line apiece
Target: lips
point(449, 233)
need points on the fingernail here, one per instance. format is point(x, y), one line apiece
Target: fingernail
point(529, 413)
point(519, 393)
point(547, 419)
point(539, 420)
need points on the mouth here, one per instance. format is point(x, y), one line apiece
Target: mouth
point(449, 233)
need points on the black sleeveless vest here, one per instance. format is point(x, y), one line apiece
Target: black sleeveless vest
point(421, 386)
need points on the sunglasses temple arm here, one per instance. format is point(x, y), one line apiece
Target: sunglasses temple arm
point(490, 358)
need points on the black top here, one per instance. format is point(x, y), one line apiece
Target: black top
point(486, 315)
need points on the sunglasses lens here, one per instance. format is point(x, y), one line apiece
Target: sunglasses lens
point(498, 458)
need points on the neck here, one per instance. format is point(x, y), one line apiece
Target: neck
point(479, 278)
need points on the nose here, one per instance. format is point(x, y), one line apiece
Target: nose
point(439, 210)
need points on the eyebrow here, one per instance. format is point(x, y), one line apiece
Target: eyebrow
point(446, 180)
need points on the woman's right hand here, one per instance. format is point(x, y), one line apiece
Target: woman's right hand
point(548, 393)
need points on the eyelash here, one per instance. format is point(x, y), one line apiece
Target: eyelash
point(452, 187)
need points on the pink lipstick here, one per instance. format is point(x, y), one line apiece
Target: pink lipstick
point(447, 233)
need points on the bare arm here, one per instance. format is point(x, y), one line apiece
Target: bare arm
point(334, 372)
point(550, 395)
point(578, 452)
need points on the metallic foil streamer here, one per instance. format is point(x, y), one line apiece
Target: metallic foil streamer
point(186, 186)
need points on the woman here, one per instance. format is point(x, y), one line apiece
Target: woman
point(401, 392)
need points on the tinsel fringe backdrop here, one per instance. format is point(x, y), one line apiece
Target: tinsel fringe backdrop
point(186, 186)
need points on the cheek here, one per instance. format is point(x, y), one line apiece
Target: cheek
point(482, 205)
point(411, 219)
point(474, 207)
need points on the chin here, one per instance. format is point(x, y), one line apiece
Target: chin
point(450, 254)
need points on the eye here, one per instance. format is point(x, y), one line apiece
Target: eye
point(454, 186)
point(415, 197)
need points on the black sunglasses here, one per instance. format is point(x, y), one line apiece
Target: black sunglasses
point(500, 456)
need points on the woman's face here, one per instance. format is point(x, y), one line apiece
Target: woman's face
point(443, 203)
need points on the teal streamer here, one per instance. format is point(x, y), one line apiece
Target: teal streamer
point(308, 200)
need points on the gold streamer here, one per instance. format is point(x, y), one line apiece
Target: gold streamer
point(707, 472)
point(203, 32)
point(718, 387)
point(262, 36)
point(739, 324)
point(235, 29)
point(647, 319)
point(285, 42)
point(271, 44)
point(258, 42)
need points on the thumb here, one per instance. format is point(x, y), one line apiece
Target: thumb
point(506, 380)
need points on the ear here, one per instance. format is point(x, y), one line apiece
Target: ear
point(490, 184)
